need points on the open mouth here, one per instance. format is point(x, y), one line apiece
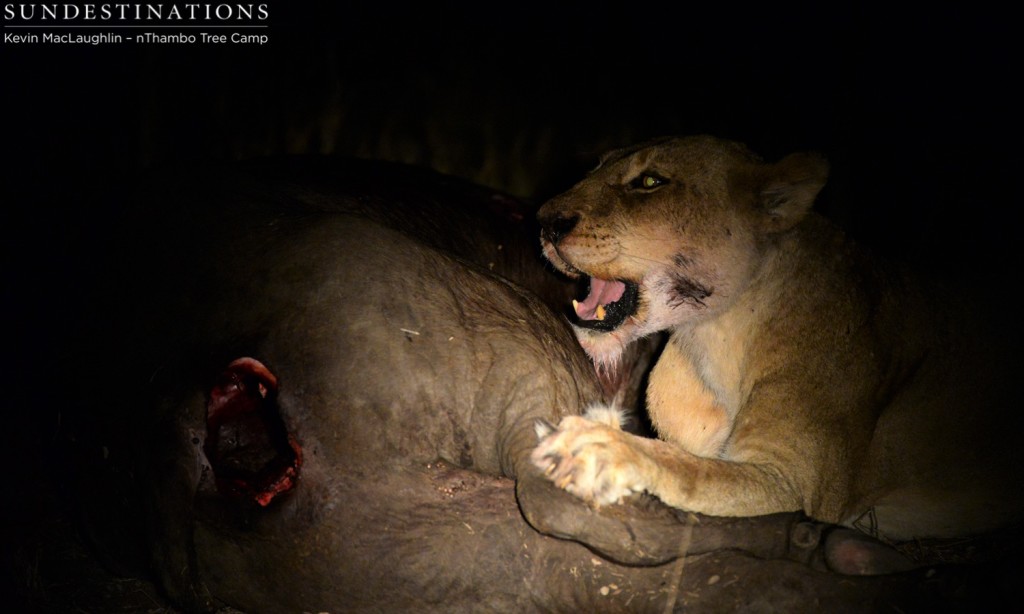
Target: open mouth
point(607, 303)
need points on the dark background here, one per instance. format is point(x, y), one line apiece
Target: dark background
point(917, 109)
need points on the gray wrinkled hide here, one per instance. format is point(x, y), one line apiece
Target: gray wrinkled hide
point(411, 371)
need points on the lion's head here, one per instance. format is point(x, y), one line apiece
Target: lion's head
point(670, 232)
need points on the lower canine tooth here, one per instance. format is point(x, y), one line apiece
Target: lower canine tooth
point(600, 312)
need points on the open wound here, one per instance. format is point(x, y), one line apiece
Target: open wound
point(252, 455)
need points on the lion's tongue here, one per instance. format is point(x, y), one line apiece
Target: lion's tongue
point(602, 292)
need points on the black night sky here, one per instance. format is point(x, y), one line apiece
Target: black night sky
point(917, 110)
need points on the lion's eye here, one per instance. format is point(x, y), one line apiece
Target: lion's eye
point(646, 182)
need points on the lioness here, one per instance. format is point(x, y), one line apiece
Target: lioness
point(801, 372)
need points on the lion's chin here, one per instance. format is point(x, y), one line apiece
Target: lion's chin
point(605, 348)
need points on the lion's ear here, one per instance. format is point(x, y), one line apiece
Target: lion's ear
point(785, 191)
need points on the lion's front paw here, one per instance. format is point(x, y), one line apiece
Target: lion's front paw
point(591, 460)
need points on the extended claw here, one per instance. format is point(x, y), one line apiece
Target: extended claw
point(542, 428)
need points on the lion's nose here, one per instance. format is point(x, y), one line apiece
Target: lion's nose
point(553, 229)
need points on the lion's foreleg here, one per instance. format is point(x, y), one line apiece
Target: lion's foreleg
point(603, 465)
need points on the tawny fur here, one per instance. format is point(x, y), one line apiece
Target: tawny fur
point(800, 372)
